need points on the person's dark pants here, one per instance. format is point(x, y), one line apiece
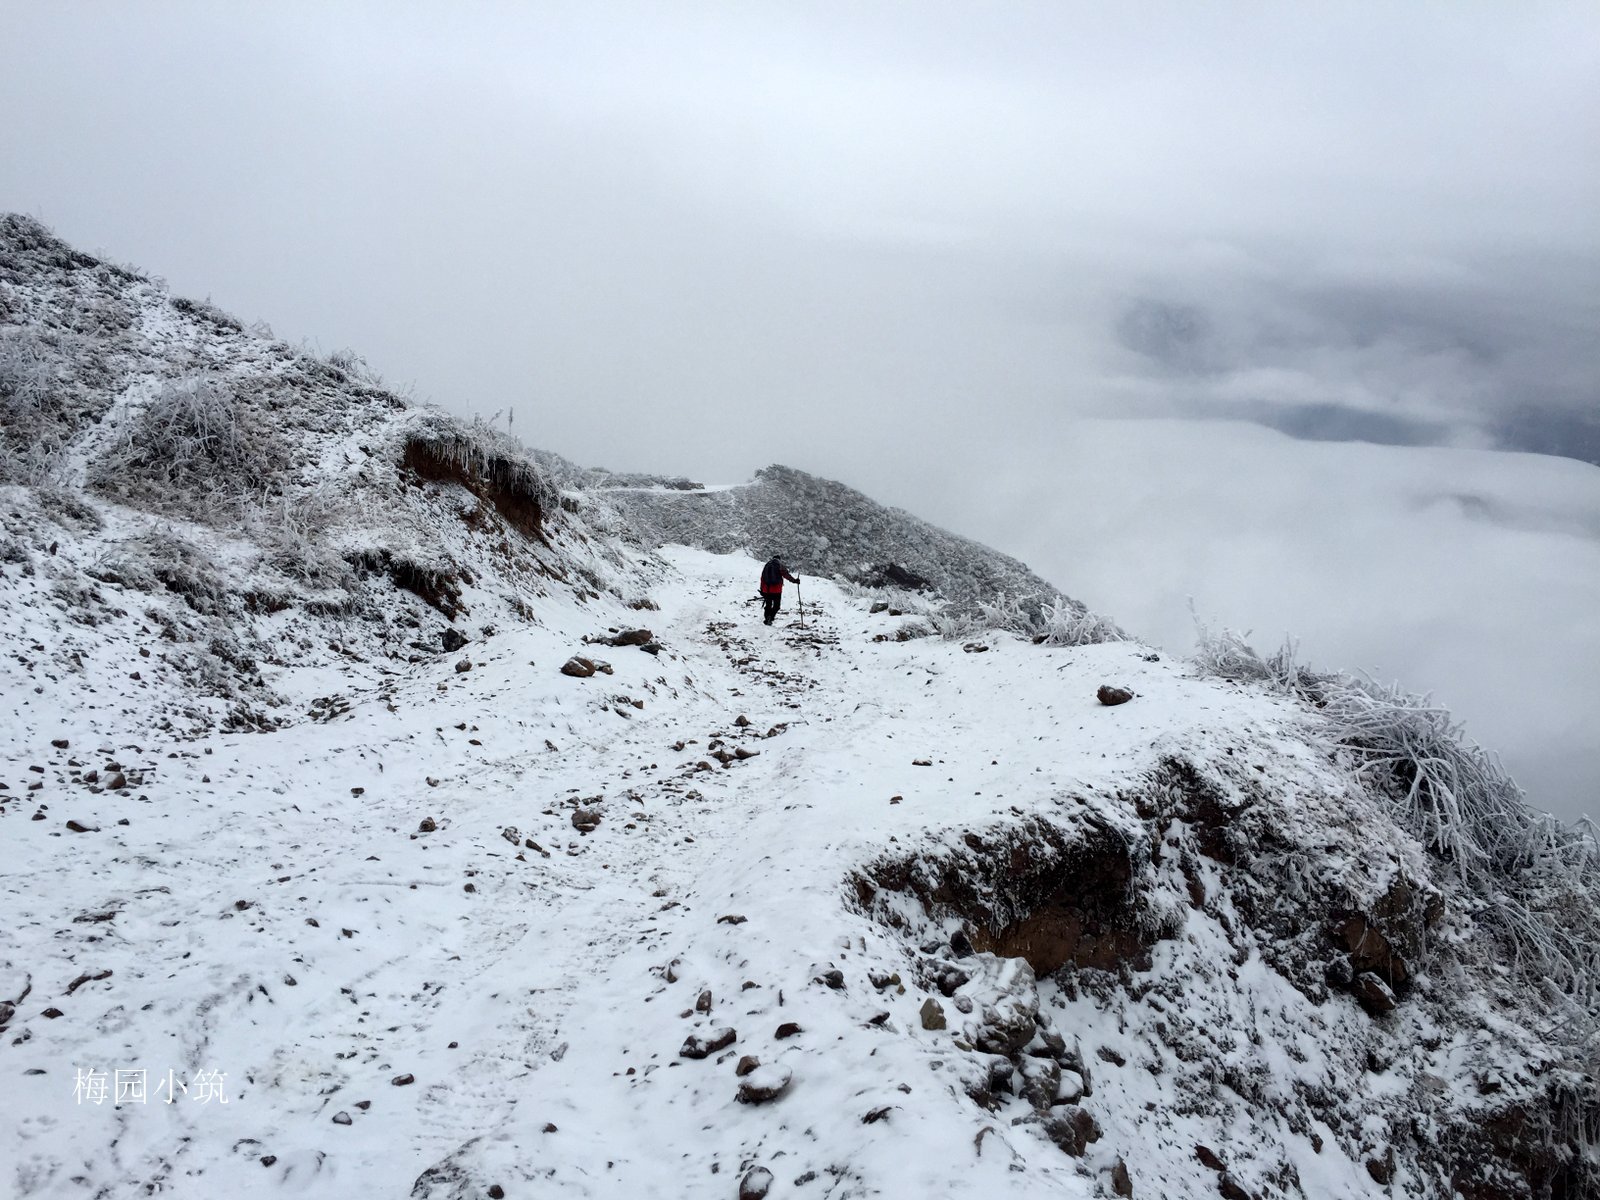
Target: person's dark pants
point(770, 603)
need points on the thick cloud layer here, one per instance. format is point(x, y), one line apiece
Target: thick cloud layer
point(882, 242)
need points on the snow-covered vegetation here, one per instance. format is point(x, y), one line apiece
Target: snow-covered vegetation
point(445, 808)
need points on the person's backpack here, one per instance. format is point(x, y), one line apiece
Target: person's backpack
point(772, 575)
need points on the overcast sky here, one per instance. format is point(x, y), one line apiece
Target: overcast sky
point(881, 242)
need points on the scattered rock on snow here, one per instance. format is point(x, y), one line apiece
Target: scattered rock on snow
point(1229, 1188)
point(427, 825)
point(1072, 1128)
point(730, 919)
point(586, 820)
point(463, 666)
point(765, 1084)
point(341, 1118)
point(747, 1063)
point(787, 1030)
point(1121, 1183)
point(755, 1185)
point(403, 1080)
point(1041, 1081)
point(703, 1045)
point(1109, 695)
point(578, 668)
point(452, 640)
point(1375, 995)
point(1209, 1158)
point(932, 1013)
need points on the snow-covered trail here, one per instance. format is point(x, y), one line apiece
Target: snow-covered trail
point(277, 916)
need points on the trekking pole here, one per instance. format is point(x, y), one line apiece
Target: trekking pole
point(800, 599)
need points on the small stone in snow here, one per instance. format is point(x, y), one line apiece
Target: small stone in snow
point(699, 1046)
point(1109, 695)
point(463, 666)
point(403, 1080)
point(765, 1084)
point(341, 1118)
point(747, 1063)
point(787, 1030)
point(730, 919)
point(932, 1014)
point(755, 1185)
point(1121, 1184)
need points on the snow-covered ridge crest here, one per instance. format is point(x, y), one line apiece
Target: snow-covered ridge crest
point(822, 527)
point(301, 786)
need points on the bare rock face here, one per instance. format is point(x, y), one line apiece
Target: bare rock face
point(704, 1045)
point(1109, 695)
point(755, 1185)
point(765, 1084)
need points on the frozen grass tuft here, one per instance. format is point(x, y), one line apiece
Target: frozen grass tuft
point(1535, 881)
point(194, 448)
point(1056, 622)
point(31, 434)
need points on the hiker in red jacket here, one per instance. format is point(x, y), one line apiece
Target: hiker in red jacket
point(772, 577)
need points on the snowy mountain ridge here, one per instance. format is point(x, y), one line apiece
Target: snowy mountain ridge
point(450, 802)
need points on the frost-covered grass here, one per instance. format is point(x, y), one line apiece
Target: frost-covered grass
point(1536, 879)
point(31, 438)
point(194, 447)
point(1054, 622)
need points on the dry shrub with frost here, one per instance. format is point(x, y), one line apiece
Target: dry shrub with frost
point(195, 448)
point(1535, 881)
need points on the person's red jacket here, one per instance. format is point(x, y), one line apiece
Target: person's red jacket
point(772, 577)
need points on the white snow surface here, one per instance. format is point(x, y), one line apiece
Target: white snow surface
point(269, 910)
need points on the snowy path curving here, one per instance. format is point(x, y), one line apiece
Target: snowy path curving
point(279, 918)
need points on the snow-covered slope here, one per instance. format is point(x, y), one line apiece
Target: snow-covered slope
point(809, 910)
point(822, 527)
